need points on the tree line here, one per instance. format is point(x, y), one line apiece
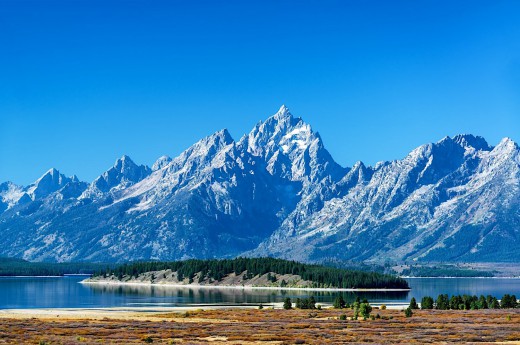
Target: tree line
point(466, 302)
point(19, 267)
point(320, 276)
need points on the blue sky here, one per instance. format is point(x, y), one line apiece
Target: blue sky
point(84, 82)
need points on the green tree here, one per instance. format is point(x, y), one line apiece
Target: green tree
point(298, 303)
point(408, 312)
point(356, 305)
point(455, 302)
point(413, 304)
point(442, 302)
point(339, 302)
point(312, 303)
point(365, 309)
point(482, 303)
point(494, 304)
point(287, 303)
point(427, 302)
point(505, 302)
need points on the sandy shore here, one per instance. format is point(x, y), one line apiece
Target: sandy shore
point(151, 314)
point(139, 313)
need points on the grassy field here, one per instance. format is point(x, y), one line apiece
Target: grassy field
point(251, 326)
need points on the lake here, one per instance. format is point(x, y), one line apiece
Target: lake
point(67, 292)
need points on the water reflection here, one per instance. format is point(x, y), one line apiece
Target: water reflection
point(34, 292)
point(194, 295)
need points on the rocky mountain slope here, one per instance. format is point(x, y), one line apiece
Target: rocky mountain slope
point(277, 191)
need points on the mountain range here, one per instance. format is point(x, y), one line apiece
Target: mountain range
point(276, 192)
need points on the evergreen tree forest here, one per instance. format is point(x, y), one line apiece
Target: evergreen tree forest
point(468, 302)
point(19, 267)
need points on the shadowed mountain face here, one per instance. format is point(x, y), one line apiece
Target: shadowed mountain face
point(277, 192)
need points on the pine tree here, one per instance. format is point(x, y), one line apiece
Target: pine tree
point(339, 302)
point(413, 304)
point(494, 304)
point(482, 303)
point(442, 302)
point(287, 303)
point(427, 302)
point(365, 309)
point(312, 303)
point(408, 312)
point(298, 303)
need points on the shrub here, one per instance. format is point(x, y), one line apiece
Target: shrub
point(343, 317)
point(408, 312)
point(148, 339)
point(261, 306)
point(382, 307)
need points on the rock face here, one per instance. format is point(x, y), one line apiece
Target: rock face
point(277, 192)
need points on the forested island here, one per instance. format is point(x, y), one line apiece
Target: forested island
point(20, 267)
point(251, 272)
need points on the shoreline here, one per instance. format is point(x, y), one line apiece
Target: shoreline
point(407, 277)
point(237, 287)
point(148, 312)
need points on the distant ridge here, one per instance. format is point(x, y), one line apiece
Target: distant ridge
point(276, 192)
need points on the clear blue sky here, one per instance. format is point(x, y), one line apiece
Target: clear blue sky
point(84, 82)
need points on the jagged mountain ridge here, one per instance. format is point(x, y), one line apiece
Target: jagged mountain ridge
point(278, 192)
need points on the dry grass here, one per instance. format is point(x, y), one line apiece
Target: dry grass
point(239, 326)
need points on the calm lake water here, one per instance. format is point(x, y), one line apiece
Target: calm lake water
point(67, 292)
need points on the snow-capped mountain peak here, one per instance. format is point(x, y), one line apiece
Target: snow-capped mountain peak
point(122, 174)
point(50, 182)
point(10, 193)
point(282, 113)
point(276, 192)
point(161, 162)
point(476, 142)
point(290, 147)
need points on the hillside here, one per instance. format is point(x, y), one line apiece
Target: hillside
point(276, 192)
point(253, 272)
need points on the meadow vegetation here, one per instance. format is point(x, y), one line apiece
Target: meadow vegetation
point(272, 326)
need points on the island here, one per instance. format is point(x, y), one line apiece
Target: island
point(246, 272)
